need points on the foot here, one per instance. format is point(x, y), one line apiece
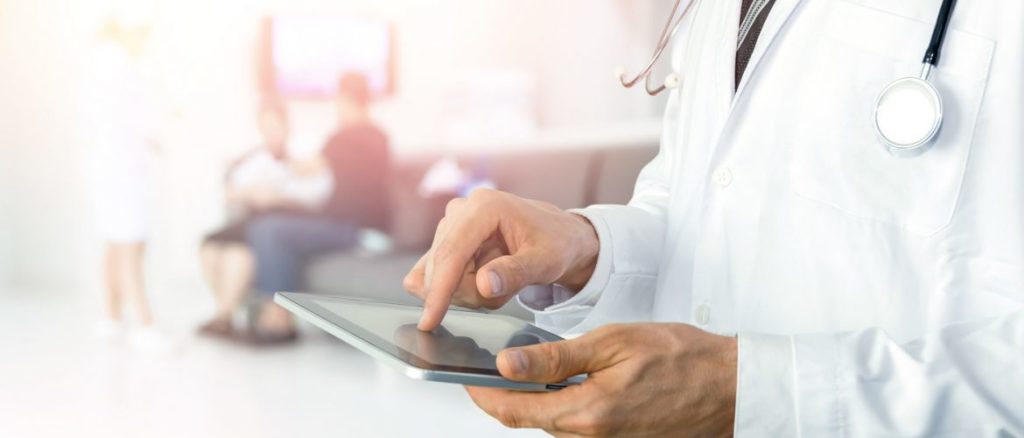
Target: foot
point(108, 331)
point(275, 326)
point(218, 327)
point(264, 337)
point(149, 340)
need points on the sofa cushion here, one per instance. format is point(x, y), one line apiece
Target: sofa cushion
point(413, 217)
point(376, 277)
point(558, 177)
point(617, 170)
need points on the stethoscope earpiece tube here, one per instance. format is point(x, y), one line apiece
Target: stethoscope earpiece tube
point(931, 56)
point(672, 81)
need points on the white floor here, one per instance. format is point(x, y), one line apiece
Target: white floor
point(54, 381)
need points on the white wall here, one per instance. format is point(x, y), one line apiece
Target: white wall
point(202, 61)
point(6, 226)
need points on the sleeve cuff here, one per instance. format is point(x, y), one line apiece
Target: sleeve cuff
point(554, 299)
point(765, 404)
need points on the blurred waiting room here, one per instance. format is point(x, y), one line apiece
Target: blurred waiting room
point(165, 166)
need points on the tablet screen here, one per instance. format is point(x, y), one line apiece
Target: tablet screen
point(466, 341)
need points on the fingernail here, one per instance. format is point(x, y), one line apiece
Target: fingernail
point(497, 288)
point(518, 361)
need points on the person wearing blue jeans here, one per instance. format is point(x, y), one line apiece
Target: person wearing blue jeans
point(284, 243)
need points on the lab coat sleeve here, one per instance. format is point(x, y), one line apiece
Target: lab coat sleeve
point(964, 380)
point(623, 284)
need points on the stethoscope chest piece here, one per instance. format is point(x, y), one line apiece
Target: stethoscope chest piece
point(908, 112)
point(908, 115)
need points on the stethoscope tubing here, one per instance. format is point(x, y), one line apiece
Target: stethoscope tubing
point(930, 61)
point(931, 56)
point(667, 34)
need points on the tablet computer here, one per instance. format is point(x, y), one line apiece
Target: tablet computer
point(462, 350)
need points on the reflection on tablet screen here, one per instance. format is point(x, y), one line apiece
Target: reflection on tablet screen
point(464, 339)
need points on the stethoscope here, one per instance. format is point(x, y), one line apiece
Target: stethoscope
point(672, 80)
point(908, 112)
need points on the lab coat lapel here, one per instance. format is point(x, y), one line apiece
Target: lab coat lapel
point(776, 21)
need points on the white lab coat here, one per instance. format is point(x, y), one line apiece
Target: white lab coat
point(119, 117)
point(872, 295)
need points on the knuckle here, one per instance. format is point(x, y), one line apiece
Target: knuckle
point(610, 337)
point(484, 198)
point(589, 422)
point(411, 283)
point(467, 300)
point(453, 206)
point(550, 208)
point(481, 194)
point(507, 417)
point(556, 357)
point(607, 331)
point(517, 271)
point(444, 250)
point(439, 230)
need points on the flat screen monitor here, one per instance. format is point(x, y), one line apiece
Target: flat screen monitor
point(305, 55)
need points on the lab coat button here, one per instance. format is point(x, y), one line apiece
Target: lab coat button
point(722, 177)
point(703, 314)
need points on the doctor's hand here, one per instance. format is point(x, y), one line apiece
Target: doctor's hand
point(492, 244)
point(644, 380)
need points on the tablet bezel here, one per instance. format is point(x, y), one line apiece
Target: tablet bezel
point(306, 306)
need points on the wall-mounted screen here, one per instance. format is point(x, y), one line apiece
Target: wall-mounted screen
point(305, 55)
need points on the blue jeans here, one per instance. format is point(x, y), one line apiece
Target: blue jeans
point(283, 243)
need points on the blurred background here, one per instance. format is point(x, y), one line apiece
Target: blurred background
point(514, 94)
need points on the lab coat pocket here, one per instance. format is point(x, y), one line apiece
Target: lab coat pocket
point(838, 159)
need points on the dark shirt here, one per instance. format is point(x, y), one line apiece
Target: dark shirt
point(360, 160)
point(746, 47)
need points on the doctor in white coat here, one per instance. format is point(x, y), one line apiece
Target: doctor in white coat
point(794, 276)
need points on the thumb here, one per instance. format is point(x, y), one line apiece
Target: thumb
point(509, 274)
point(550, 362)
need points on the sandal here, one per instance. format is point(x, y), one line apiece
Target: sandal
point(217, 328)
point(263, 337)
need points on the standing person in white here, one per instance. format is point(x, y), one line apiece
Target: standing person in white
point(799, 276)
point(122, 122)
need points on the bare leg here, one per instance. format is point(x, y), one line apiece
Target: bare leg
point(132, 279)
point(210, 257)
point(145, 339)
point(237, 267)
point(111, 282)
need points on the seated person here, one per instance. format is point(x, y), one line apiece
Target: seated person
point(260, 182)
point(358, 157)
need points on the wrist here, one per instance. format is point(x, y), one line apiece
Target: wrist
point(727, 389)
point(584, 260)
